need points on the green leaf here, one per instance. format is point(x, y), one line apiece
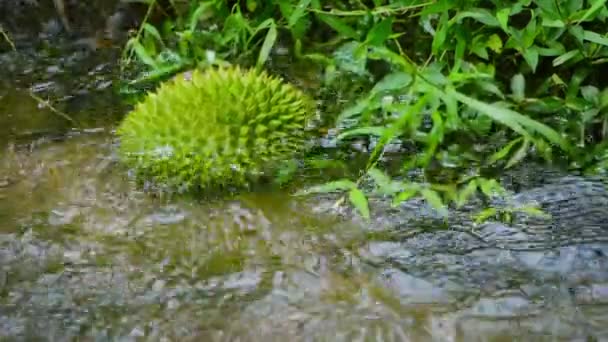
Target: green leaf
point(143, 55)
point(485, 214)
point(355, 110)
point(452, 121)
point(269, 41)
point(595, 38)
point(339, 185)
point(518, 87)
point(198, 14)
point(482, 15)
point(513, 120)
point(502, 153)
point(339, 26)
point(251, 5)
point(580, 74)
point(397, 126)
point(158, 74)
point(494, 43)
point(385, 184)
point(577, 32)
point(383, 53)
point(521, 153)
point(359, 201)
point(317, 163)
point(380, 32)
point(590, 93)
point(553, 23)
point(566, 57)
point(379, 177)
point(433, 198)
point(346, 58)
point(405, 195)
point(298, 13)
point(393, 81)
point(490, 187)
point(595, 7)
point(603, 99)
point(151, 30)
point(459, 52)
point(440, 34)
point(531, 56)
point(366, 131)
point(466, 193)
point(534, 211)
point(503, 18)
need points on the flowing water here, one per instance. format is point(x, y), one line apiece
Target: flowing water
point(86, 255)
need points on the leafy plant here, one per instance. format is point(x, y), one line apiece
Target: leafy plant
point(463, 86)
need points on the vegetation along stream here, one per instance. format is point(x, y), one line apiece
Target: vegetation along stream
point(387, 170)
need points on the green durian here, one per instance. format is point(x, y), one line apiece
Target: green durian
point(217, 127)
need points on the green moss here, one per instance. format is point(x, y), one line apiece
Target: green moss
point(217, 127)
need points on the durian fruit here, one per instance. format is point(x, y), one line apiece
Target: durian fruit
point(217, 127)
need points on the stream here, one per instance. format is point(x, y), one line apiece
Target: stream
point(86, 255)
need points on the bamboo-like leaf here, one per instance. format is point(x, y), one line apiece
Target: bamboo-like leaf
point(271, 37)
point(339, 26)
point(356, 109)
point(433, 198)
point(466, 193)
point(384, 53)
point(482, 15)
point(391, 82)
point(514, 120)
point(386, 185)
point(534, 211)
point(365, 131)
point(596, 6)
point(566, 57)
point(485, 214)
point(596, 38)
point(359, 201)
point(379, 177)
point(159, 73)
point(503, 18)
point(490, 187)
point(396, 127)
point(151, 30)
point(339, 185)
point(521, 153)
point(298, 12)
point(405, 195)
point(502, 153)
point(380, 32)
point(518, 87)
point(198, 14)
point(143, 55)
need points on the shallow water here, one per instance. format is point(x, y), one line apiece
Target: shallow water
point(84, 253)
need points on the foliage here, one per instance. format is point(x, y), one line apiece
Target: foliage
point(464, 86)
point(218, 127)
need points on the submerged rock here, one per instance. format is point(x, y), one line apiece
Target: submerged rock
point(84, 254)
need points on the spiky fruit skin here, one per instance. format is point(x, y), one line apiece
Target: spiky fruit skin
point(216, 127)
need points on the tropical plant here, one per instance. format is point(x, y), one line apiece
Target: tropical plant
point(464, 86)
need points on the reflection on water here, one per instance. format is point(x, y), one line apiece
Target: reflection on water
point(83, 252)
point(21, 117)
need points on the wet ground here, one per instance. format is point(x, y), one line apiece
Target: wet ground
point(86, 255)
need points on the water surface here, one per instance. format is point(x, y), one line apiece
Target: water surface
point(85, 253)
